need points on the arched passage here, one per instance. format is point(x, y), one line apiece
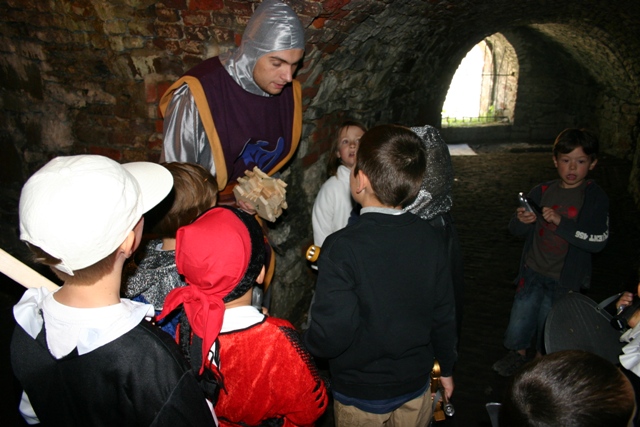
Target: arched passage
point(463, 101)
point(396, 66)
point(485, 85)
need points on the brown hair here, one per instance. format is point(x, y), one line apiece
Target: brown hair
point(394, 159)
point(572, 388)
point(194, 191)
point(334, 161)
point(83, 276)
point(570, 139)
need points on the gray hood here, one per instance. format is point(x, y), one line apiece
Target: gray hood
point(273, 27)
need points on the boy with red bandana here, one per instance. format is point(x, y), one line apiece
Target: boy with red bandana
point(573, 224)
point(265, 375)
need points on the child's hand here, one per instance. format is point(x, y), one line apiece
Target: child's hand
point(625, 300)
point(550, 215)
point(447, 384)
point(525, 217)
point(634, 319)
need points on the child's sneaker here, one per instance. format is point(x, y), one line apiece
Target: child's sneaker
point(509, 364)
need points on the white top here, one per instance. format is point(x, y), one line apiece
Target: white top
point(630, 357)
point(333, 206)
point(70, 327)
point(239, 318)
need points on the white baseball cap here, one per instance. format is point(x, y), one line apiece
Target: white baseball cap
point(79, 209)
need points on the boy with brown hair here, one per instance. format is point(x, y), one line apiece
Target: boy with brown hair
point(155, 275)
point(384, 306)
point(546, 392)
point(572, 223)
point(83, 355)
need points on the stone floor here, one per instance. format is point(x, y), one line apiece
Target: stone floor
point(485, 196)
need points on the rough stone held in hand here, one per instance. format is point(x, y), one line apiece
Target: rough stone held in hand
point(265, 194)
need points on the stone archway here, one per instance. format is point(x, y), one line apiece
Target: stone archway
point(500, 78)
point(492, 66)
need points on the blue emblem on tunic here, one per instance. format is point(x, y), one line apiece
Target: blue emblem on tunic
point(255, 153)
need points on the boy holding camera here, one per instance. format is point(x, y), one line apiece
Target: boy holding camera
point(573, 223)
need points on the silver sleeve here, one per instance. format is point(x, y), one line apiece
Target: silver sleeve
point(184, 137)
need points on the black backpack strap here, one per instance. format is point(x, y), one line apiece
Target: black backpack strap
point(208, 380)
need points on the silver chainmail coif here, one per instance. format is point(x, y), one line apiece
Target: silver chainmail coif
point(434, 197)
point(273, 27)
point(154, 277)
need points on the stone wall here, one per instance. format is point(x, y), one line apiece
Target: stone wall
point(553, 93)
point(504, 73)
point(86, 76)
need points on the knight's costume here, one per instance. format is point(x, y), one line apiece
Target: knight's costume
point(217, 116)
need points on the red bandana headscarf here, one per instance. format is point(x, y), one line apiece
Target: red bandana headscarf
point(212, 254)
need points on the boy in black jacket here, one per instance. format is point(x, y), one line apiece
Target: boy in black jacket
point(384, 304)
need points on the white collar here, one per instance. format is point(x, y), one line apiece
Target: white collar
point(343, 173)
point(382, 210)
point(242, 317)
point(83, 328)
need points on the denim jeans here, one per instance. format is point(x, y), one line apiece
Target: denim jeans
point(534, 298)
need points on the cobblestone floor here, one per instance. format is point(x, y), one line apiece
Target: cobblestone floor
point(485, 196)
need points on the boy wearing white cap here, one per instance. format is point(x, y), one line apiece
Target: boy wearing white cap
point(83, 355)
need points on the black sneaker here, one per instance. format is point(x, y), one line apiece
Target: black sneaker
point(509, 364)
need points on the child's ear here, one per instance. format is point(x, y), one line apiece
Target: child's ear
point(593, 164)
point(362, 181)
point(132, 241)
point(129, 245)
point(260, 277)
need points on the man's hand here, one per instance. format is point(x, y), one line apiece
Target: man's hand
point(246, 207)
point(447, 384)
